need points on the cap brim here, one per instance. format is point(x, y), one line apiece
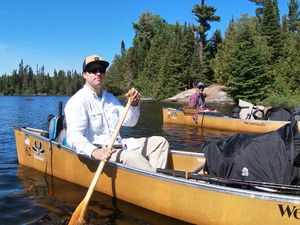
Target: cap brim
point(97, 64)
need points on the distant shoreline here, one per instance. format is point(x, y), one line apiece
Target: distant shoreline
point(215, 93)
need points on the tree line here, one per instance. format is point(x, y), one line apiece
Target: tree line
point(257, 58)
point(25, 82)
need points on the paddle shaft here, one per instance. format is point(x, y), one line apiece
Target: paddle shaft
point(78, 215)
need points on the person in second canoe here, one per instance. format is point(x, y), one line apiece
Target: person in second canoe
point(197, 101)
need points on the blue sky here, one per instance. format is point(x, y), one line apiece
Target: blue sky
point(60, 33)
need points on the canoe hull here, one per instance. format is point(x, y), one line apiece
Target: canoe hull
point(174, 116)
point(188, 200)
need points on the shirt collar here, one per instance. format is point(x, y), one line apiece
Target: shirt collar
point(89, 91)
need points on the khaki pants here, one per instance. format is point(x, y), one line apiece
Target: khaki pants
point(151, 153)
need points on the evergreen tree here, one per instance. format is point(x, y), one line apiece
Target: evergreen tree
point(285, 25)
point(61, 81)
point(243, 61)
point(55, 84)
point(146, 82)
point(271, 29)
point(188, 48)
point(120, 70)
point(123, 48)
point(259, 9)
point(30, 89)
point(221, 64)
point(114, 75)
point(25, 82)
point(170, 76)
point(204, 15)
point(147, 26)
point(293, 15)
point(255, 55)
point(287, 71)
point(214, 42)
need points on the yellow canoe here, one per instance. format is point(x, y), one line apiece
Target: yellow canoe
point(174, 116)
point(189, 199)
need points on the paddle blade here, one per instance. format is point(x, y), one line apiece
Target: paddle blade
point(78, 215)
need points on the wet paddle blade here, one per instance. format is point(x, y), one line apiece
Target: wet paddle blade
point(78, 215)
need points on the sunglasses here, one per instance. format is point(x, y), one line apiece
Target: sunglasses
point(95, 70)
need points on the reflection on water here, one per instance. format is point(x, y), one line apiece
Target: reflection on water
point(180, 137)
point(188, 138)
point(52, 201)
point(27, 197)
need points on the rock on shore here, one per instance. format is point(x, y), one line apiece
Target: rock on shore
point(214, 93)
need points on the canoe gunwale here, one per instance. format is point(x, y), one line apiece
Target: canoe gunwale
point(294, 199)
point(227, 117)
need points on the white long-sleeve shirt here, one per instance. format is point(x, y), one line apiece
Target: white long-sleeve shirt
point(92, 120)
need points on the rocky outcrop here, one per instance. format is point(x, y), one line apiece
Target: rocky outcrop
point(214, 93)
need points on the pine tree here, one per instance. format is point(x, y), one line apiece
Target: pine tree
point(287, 71)
point(271, 29)
point(114, 75)
point(259, 9)
point(123, 48)
point(293, 15)
point(214, 42)
point(242, 61)
point(204, 15)
point(148, 77)
point(188, 47)
point(146, 28)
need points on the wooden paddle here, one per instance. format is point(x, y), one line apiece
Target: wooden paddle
point(78, 214)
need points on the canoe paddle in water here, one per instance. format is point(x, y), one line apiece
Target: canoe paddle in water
point(78, 215)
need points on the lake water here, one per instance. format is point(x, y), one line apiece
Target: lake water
point(28, 197)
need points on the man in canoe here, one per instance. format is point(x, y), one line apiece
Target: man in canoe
point(92, 115)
